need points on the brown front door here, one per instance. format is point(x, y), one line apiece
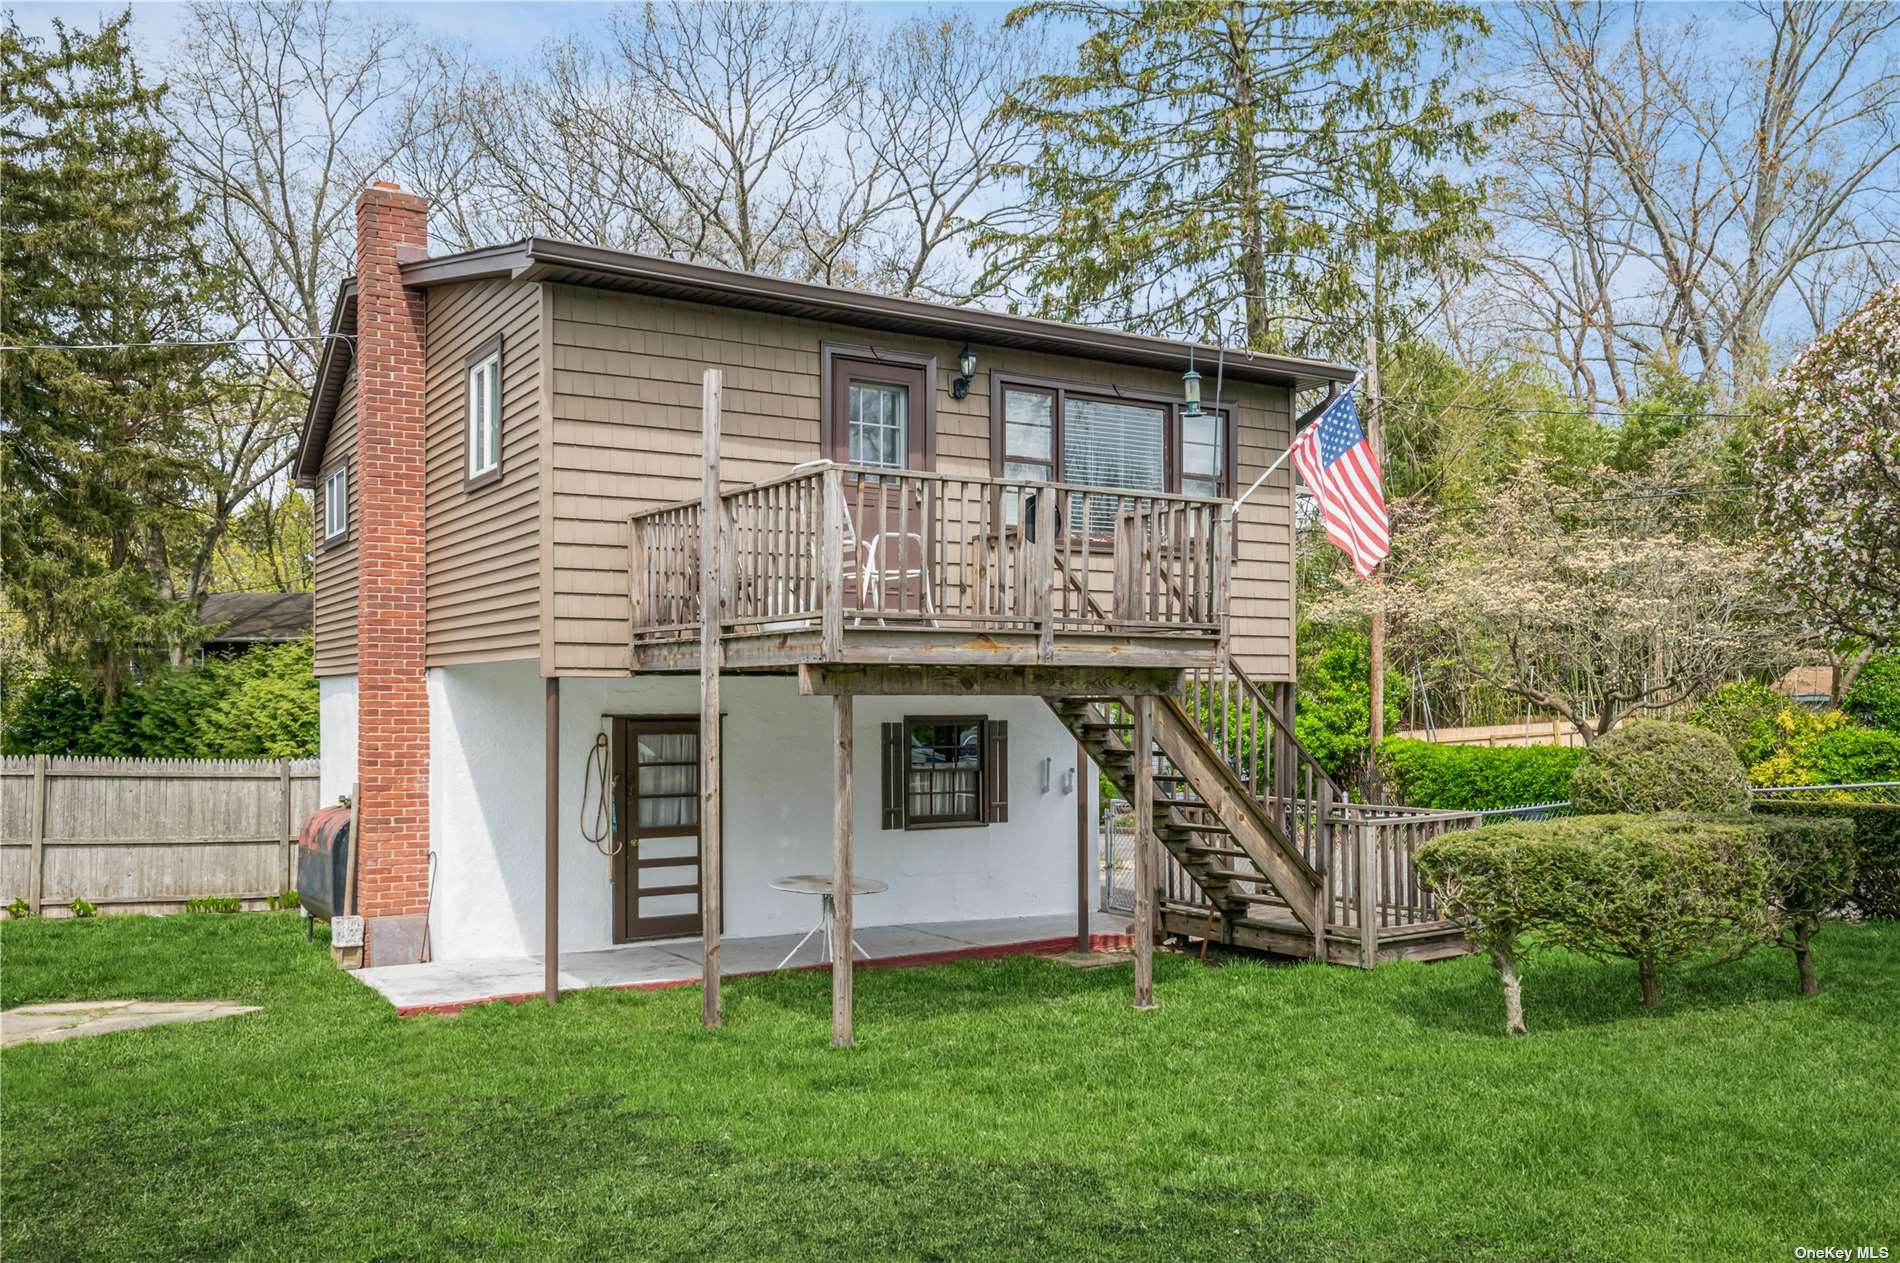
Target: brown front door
point(656, 872)
point(880, 413)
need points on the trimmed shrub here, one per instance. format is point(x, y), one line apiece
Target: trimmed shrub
point(1743, 714)
point(1810, 862)
point(1649, 765)
point(1828, 749)
point(1876, 888)
point(1875, 698)
point(1652, 889)
point(1475, 778)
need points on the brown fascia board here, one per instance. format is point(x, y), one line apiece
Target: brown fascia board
point(568, 263)
point(333, 369)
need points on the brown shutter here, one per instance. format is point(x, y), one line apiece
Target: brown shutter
point(893, 778)
point(996, 771)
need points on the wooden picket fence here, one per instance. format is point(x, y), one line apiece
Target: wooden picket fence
point(146, 835)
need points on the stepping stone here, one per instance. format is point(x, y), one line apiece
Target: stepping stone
point(68, 1019)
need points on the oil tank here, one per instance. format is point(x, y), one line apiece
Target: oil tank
point(323, 863)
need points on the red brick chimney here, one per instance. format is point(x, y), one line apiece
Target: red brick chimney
point(392, 809)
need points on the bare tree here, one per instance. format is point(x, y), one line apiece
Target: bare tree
point(283, 111)
point(1669, 198)
point(935, 120)
point(763, 172)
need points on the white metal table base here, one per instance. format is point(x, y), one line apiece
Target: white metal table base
point(827, 911)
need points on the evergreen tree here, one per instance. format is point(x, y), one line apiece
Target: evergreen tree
point(96, 248)
point(1204, 156)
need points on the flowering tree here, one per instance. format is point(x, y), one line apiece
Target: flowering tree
point(1828, 469)
point(1594, 609)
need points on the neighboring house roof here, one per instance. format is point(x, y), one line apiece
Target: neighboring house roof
point(1810, 684)
point(252, 617)
point(567, 263)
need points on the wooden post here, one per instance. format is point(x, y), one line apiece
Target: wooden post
point(290, 834)
point(1042, 574)
point(551, 857)
point(712, 579)
point(831, 565)
point(1144, 851)
point(1366, 873)
point(1226, 527)
point(1084, 888)
point(842, 963)
point(36, 875)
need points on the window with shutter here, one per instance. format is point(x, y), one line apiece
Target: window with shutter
point(945, 771)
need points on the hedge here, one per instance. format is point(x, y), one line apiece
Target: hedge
point(1652, 765)
point(1475, 778)
point(1876, 888)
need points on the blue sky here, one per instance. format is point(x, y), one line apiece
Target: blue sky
point(498, 31)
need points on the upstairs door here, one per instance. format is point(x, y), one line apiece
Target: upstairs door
point(656, 872)
point(880, 421)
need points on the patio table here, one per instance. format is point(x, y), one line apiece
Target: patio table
point(817, 884)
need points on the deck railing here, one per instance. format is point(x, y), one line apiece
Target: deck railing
point(843, 545)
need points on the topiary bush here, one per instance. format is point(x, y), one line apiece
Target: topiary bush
point(1655, 890)
point(1810, 865)
point(1876, 826)
point(1475, 778)
point(1742, 713)
point(1649, 765)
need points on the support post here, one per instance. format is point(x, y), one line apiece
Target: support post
point(551, 879)
point(1144, 851)
point(831, 565)
point(1366, 872)
point(1041, 556)
point(1084, 891)
point(36, 875)
point(712, 600)
point(842, 963)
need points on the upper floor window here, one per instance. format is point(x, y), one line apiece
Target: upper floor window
point(1096, 438)
point(336, 502)
point(484, 412)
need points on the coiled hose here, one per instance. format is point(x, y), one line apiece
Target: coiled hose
point(598, 776)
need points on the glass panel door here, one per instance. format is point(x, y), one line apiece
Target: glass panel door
point(656, 873)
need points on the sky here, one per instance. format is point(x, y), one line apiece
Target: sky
point(497, 31)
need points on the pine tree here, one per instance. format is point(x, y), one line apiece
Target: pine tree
point(96, 247)
point(1204, 156)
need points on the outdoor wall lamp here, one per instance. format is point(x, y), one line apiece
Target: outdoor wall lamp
point(966, 365)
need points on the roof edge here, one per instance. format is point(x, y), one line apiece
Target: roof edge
point(339, 349)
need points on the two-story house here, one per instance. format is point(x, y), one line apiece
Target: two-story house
point(1002, 537)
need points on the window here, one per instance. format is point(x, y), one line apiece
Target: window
point(877, 423)
point(484, 412)
point(1079, 435)
point(336, 502)
point(942, 771)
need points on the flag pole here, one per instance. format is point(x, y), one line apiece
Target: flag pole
point(1332, 393)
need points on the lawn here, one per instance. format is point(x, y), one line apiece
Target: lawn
point(1005, 1109)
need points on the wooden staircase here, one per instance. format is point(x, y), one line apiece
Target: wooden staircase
point(1237, 804)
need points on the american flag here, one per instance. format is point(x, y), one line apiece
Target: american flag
point(1335, 458)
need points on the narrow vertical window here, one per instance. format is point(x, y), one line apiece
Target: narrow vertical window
point(484, 412)
point(336, 502)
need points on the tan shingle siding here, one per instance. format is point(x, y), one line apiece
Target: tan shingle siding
point(484, 555)
point(333, 608)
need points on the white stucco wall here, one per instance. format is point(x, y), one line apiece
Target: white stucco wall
point(336, 737)
point(486, 810)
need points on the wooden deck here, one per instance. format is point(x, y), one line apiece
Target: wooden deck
point(1278, 932)
point(851, 565)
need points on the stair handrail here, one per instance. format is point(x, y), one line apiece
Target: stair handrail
point(1232, 664)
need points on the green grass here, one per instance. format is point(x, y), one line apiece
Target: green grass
point(1008, 1109)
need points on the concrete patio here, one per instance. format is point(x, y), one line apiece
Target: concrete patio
point(447, 986)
